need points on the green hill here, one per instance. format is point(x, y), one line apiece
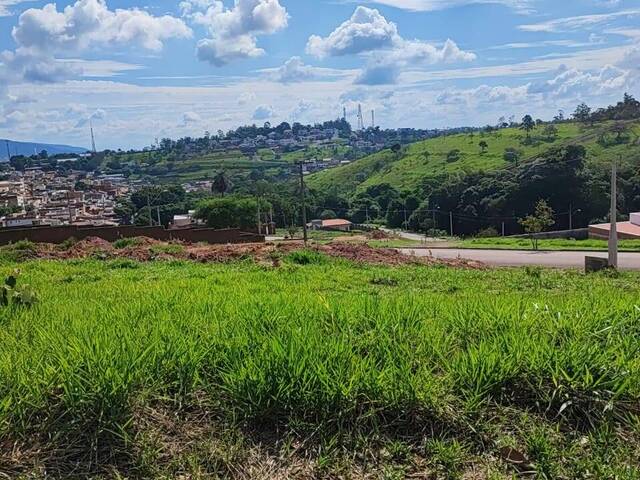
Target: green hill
point(431, 158)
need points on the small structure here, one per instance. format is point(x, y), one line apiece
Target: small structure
point(334, 224)
point(626, 230)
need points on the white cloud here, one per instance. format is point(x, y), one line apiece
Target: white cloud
point(574, 83)
point(43, 34)
point(89, 23)
point(577, 23)
point(234, 31)
point(368, 32)
point(365, 31)
point(5, 7)
point(190, 118)
point(263, 112)
point(430, 5)
point(294, 70)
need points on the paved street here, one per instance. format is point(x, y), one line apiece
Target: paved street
point(517, 258)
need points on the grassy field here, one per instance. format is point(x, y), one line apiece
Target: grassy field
point(551, 244)
point(319, 368)
point(429, 158)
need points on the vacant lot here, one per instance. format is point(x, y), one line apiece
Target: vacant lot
point(315, 367)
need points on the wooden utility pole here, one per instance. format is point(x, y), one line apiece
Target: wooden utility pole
point(571, 216)
point(149, 208)
point(259, 220)
point(613, 230)
point(451, 223)
point(158, 215)
point(304, 204)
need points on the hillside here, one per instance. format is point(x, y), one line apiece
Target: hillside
point(29, 148)
point(407, 169)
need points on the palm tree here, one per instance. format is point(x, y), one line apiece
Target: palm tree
point(220, 184)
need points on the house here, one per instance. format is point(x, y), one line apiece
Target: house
point(626, 230)
point(334, 224)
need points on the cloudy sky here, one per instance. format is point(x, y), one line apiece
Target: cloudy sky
point(141, 69)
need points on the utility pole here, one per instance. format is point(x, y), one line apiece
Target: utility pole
point(503, 229)
point(149, 209)
point(405, 215)
point(158, 215)
point(613, 231)
point(304, 204)
point(69, 207)
point(8, 150)
point(451, 223)
point(571, 216)
point(259, 221)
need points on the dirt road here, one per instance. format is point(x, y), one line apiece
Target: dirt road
point(517, 258)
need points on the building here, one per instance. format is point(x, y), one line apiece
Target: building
point(334, 224)
point(626, 230)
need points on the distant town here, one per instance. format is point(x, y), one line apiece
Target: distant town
point(84, 189)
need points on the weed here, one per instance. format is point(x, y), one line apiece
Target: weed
point(307, 257)
point(125, 243)
point(447, 456)
point(168, 249)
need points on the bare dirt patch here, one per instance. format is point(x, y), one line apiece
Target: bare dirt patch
point(146, 249)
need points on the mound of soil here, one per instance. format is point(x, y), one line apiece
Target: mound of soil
point(147, 249)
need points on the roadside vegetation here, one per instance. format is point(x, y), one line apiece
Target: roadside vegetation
point(545, 244)
point(312, 367)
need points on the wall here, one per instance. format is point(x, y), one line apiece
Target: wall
point(111, 234)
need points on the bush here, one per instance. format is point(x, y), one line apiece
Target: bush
point(453, 156)
point(488, 233)
point(511, 155)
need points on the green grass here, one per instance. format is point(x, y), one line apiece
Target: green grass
point(408, 170)
point(550, 244)
point(318, 368)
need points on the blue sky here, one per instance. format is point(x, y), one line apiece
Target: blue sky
point(143, 69)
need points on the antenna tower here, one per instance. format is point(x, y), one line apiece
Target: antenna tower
point(360, 118)
point(8, 151)
point(93, 140)
point(373, 119)
point(344, 113)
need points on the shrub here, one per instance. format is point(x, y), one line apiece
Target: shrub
point(453, 156)
point(487, 233)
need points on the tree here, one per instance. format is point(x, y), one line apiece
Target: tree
point(538, 222)
point(550, 131)
point(582, 113)
point(527, 125)
point(328, 215)
point(619, 129)
point(220, 184)
point(396, 148)
point(231, 212)
point(483, 146)
point(511, 155)
point(453, 156)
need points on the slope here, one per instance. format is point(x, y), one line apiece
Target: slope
point(434, 157)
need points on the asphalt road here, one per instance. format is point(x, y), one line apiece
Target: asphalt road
point(518, 258)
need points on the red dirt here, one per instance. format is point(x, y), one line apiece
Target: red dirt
point(146, 249)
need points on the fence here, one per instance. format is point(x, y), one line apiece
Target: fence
point(111, 234)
